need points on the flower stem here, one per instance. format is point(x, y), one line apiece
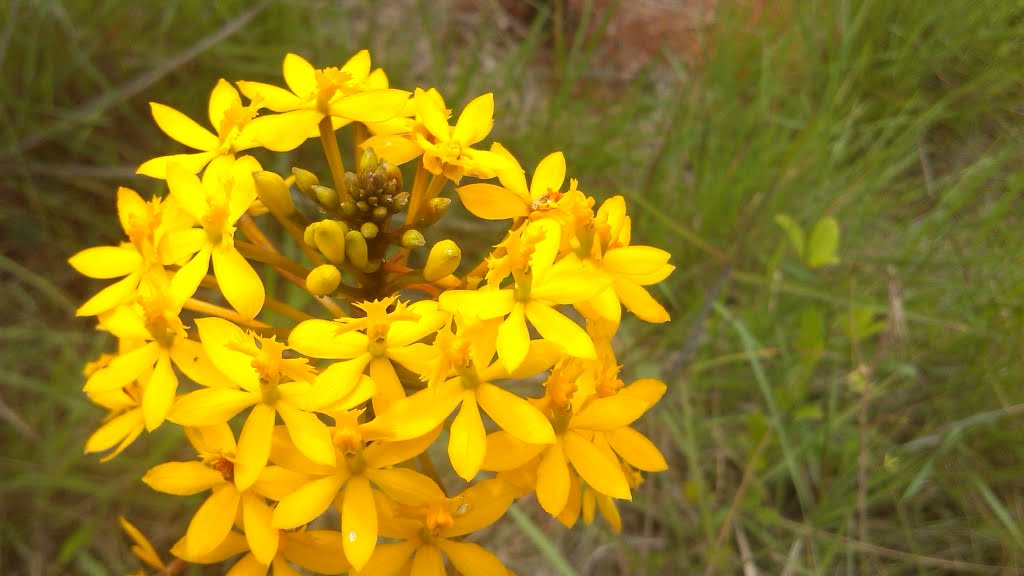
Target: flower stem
point(286, 310)
point(248, 227)
point(221, 312)
point(419, 185)
point(330, 143)
point(358, 137)
point(282, 263)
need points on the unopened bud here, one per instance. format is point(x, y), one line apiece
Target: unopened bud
point(308, 235)
point(444, 258)
point(369, 230)
point(327, 197)
point(323, 280)
point(355, 248)
point(305, 180)
point(393, 173)
point(363, 206)
point(273, 192)
point(330, 240)
point(352, 184)
point(380, 213)
point(369, 161)
point(348, 208)
point(434, 210)
point(412, 239)
point(401, 200)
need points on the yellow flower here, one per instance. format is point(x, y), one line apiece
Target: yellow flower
point(315, 550)
point(259, 377)
point(154, 323)
point(540, 284)
point(351, 93)
point(427, 532)
point(141, 547)
point(361, 466)
point(629, 267)
point(229, 118)
point(513, 199)
point(212, 522)
point(374, 341)
point(144, 223)
point(473, 390)
point(216, 203)
point(124, 423)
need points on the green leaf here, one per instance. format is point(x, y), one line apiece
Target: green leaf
point(824, 243)
point(811, 338)
point(794, 231)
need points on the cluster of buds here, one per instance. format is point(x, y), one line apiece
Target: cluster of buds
point(300, 419)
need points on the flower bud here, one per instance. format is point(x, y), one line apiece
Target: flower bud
point(401, 200)
point(327, 197)
point(433, 212)
point(444, 258)
point(273, 192)
point(308, 235)
point(368, 162)
point(348, 208)
point(323, 280)
point(412, 239)
point(355, 248)
point(330, 237)
point(352, 185)
point(380, 213)
point(393, 173)
point(305, 180)
point(369, 230)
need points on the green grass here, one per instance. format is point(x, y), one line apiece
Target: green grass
point(858, 418)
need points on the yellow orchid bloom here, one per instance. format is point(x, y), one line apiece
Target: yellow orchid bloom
point(540, 284)
point(373, 342)
point(363, 468)
point(216, 203)
point(316, 550)
point(229, 118)
point(427, 533)
point(261, 378)
point(351, 93)
point(212, 522)
point(125, 422)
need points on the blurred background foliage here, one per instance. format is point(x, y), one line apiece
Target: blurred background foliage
point(839, 183)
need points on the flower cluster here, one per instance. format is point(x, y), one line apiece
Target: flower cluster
point(312, 435)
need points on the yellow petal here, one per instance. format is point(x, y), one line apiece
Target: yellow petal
point(609, 511)
point(395, 149)
point(363, 391)
point(649, 390)
point(254, 445)
point(506, 452)
point(107, 261)
point(240, 284)
point(635, 260)
point(212, 522)
point(405, 486)
point(110, 297)
point(299, 75)
point(467, 440)
point(324, 339)
point(243, 189)
point(610, 412)
point(285, 131)
point(635, 448)
point(158, 393)
point(338, 381)
point(571, 513)
point(317, 550)
point(417, 415)
point(187, 279)
point(223, 98)
point(567, 282)
point(270, 97)
point(249, 565)
point(124, 369)
point(179, 246)
point(476, 120)
point(482, 505)
point(182, 478)
point(182, 128)
point(492, 202)
point(233, 545)
point(549, 176)
point(594, 467)
point(358, 521)
point(358, 66)
point(433, 115)
point(118, 429)
point(553, 480)
point(305, 504)
point(638, 301)
point(277, 482)
point(262, 537)
point(390, 558)
point(482, 304)
point(142, 548)
point(389, 387)
point(511, 173)
point(471, 559)
point(309, 434)
point(220, 341)
point(371, 106)
point(513, 338)
point(427, 562)
point(191, 163)
point(556, 328)
point(605, 304)
point(383, 454)
point(209, 406)
point(190, 358)
point(515, 415)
